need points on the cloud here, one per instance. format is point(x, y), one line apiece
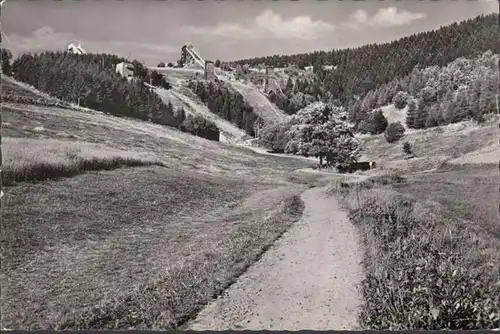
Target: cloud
point(268, 24)
point(384, 17)
point(46, 38)
point(490, 5)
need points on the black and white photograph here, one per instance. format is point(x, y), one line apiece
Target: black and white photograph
point(226, 165)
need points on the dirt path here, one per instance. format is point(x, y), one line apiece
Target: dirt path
point(307, 280)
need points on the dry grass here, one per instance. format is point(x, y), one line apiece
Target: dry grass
point(139, 247)
point(433, 146)
point(431, 257)
point(29, 159)
point(394, 115)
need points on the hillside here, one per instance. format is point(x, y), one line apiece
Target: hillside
point(259, 102)
point(184, 98)
point(468, 142)
point(252, 95)
point(128, 192)
point(359, 70)
point(463, 89)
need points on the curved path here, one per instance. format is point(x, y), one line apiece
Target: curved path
point(307, 280)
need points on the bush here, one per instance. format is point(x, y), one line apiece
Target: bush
point(273, 136)
point(200, 127)
point(158, 80)
point(394, 132)
point(407, 148)
point(162, 64)
point(400, 100)
point(378, 122)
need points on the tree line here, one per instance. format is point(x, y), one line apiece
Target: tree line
point(91, 81)
point(463, 89)
point(226, 103)
point(359, 70)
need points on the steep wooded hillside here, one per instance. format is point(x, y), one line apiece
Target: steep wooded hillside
point(359, 70)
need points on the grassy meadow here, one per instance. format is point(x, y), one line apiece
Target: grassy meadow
point(111, 223)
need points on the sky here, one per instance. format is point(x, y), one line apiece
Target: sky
point(154, 31)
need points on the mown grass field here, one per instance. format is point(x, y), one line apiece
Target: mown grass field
point(136, 247)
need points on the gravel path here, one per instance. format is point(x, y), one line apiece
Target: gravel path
point(307, 280)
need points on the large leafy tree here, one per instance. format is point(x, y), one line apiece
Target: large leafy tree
point(274, 137)
point(321, 131)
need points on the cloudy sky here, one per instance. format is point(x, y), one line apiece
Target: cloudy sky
point(154, 31)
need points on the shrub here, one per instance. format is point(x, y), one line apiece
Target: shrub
point(400, 100)
point(374, 123)
point(162, 64)
point(157, 79)
point(273, 136)
point(394, 132)
point(378, 122)
point(200, 127)
point(407, 148)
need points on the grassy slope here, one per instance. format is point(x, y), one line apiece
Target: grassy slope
point(91, 251)
point(434, 146)
point(10, 86)
point(13, 88)
point(262, 106)
point(191, 104)
point(394, 115)
point(449, 234)
point(258, 101)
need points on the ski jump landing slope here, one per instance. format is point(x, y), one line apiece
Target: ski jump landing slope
point(179, 99)
point(258, 101)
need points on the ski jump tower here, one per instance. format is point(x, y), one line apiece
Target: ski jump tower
point(190, 58)
point(270, 84)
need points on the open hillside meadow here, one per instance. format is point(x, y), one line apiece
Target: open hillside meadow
point(104, 215)
point(348, 189)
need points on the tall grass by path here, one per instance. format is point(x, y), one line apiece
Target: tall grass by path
point(29, 159)
point(425, 269)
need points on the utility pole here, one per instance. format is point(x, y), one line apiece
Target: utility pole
point(498, 111)
point(1, 164)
